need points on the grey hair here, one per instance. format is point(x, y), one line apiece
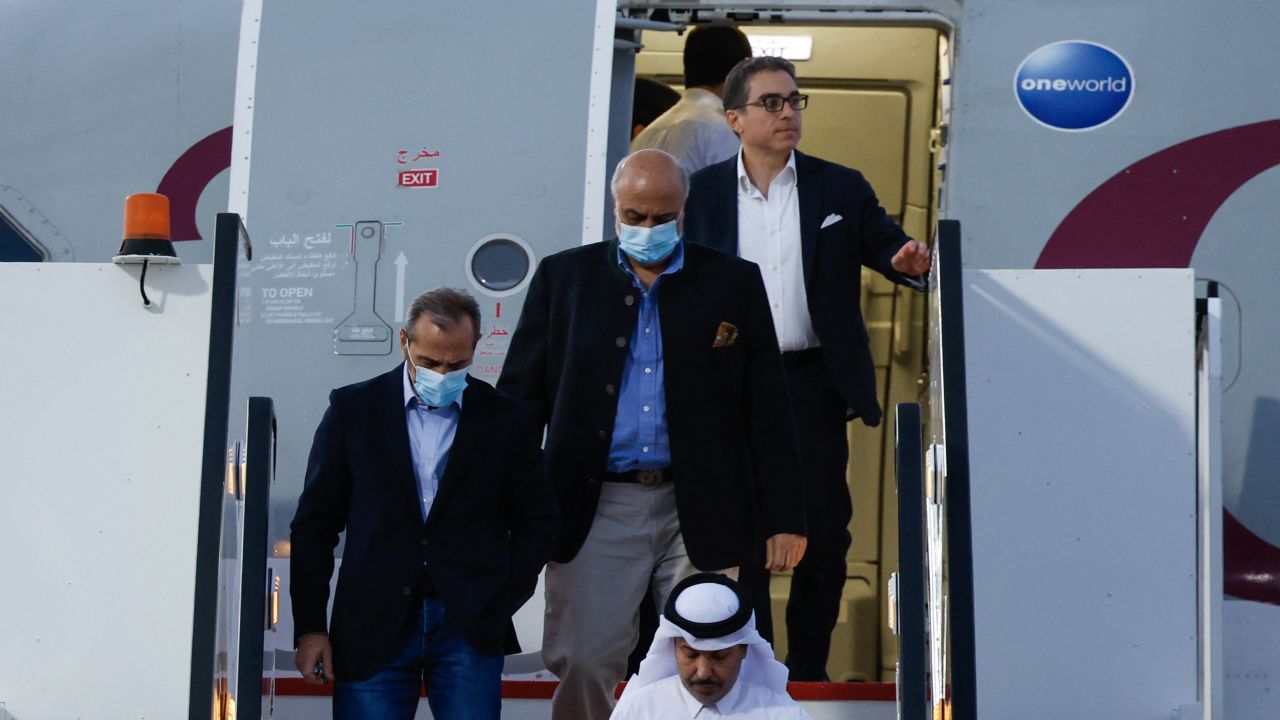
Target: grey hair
point(446, 307)
point(617, 173)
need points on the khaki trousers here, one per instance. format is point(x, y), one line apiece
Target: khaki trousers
point(591, 622)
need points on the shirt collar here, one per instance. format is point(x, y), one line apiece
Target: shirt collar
point(729, 703)
point(691, 703)
point(675, 266)
point(744, 181)
point(411, 395)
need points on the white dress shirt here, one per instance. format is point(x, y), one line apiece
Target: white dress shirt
point(431, 432)
point(693, 130)
point(667, 699)
point(769, 236)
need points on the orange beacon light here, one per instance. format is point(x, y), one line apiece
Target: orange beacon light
point(146, 236)
point(146, 231)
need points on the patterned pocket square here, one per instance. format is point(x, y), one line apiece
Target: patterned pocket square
point(726, 334)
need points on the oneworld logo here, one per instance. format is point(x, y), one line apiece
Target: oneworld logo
point(1073, 85)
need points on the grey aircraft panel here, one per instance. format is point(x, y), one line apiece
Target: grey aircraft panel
point(1013, 181)
point(101, 100)
point(489, 119)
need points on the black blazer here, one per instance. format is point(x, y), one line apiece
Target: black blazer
point(831, 256)
point(491, 527)
point(733, 443)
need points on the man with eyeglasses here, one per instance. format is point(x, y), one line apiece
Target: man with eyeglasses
point(809, 224)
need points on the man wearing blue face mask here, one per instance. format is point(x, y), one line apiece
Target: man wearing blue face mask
point(654, 369)
point(436, 479)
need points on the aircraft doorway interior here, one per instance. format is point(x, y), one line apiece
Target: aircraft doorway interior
point(878, 98)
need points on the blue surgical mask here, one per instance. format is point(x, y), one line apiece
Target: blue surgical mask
point(438, 389)
point(648, 245)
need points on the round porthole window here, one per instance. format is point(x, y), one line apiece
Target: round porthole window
point(500, 264)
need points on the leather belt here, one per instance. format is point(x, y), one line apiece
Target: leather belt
point(648, 478)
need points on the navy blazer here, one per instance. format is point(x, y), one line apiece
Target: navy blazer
point(832, 256)
point(491, 527)
point(733, 442)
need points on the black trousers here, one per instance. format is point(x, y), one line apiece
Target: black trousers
point(818, 581)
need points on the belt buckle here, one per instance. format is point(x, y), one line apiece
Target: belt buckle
point(649, 478)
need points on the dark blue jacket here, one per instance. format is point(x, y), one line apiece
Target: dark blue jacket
point(490, 530)
point(832, 258)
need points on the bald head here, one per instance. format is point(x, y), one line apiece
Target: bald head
point(649, 189)
point(650, 166)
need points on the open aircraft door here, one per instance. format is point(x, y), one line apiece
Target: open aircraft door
point(383, 149)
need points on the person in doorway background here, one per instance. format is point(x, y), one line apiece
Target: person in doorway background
point(694, 130)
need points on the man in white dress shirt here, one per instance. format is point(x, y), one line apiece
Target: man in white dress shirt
point(694, 130)
point(708, 661)
point(810, 225)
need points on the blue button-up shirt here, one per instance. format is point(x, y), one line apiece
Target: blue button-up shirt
point(640, 428)
point(431, 434)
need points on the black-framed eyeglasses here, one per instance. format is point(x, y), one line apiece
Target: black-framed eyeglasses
point(773, 102)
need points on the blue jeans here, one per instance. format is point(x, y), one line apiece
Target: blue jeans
point(462, 683)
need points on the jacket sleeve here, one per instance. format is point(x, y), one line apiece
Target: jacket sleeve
point(696, 210)
point(321, 516)
point(524, 374)
point(880, 236)
point(774, 444)
point(532, 516)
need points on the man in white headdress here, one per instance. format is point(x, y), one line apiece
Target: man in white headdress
point(708, 661)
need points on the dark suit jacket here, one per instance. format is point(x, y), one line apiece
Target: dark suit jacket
point(730, 427)
point(831, 256)
point(491, 527)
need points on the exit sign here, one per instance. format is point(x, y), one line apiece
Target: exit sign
point(418, 178)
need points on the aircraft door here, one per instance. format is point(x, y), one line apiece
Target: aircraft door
point(383, 149)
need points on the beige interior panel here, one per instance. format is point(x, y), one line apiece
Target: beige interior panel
point(896, 53)
point(864, 477)
point(864, 487)
point(661, 56)
point(862, 129)
point(854, 641)
point(878, 312)
point(915, 222)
